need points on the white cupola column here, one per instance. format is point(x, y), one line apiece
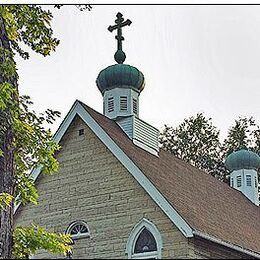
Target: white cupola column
point(120, 102)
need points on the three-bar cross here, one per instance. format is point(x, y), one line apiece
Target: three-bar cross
point(119, 24)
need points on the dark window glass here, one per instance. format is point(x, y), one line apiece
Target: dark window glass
point(145, 242)
point(78, 229)
point(248, 180)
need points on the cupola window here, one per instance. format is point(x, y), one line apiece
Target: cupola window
point(123, 103)
point(78, 229)
point(110, 104)
point(255, 182)
point(239, 181)
point(248, 180)
point(134, 106)
point(232, 182)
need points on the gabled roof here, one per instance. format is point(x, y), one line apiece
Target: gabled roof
point(197, 203)
point(208, 205)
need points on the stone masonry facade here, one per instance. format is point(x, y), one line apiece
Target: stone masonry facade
point(93, 186)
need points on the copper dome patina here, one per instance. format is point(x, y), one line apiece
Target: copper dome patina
point(120, 76)
point(242, 159)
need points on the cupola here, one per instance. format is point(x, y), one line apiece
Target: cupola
point(243, 165)
point(120, 85)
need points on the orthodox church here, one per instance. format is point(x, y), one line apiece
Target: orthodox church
point(120, 196)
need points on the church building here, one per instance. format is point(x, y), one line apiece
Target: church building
point(120, 196)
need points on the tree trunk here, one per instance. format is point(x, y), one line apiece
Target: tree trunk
point(6, 161)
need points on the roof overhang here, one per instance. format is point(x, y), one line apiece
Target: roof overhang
point(227, 244)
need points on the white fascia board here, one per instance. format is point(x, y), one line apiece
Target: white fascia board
point(229, 245)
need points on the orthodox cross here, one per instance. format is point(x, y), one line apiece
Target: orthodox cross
point(120, 23)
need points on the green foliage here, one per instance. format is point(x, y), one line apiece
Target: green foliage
point(5, 200)
point(27, 240)
point(33, 146)
point(29, 24)
point(80, 7)
point(197, 141)
point(244, 133)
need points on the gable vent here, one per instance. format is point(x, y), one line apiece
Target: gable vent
point(110, 104)
point(123, 103)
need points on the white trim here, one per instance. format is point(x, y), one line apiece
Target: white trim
point(232, 246)
point(144, 223)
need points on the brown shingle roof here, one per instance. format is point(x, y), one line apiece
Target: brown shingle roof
point(206, 204)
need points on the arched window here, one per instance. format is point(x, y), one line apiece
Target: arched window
point(78, 229)
point(144, 241)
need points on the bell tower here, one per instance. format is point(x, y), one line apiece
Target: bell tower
point(120, 85)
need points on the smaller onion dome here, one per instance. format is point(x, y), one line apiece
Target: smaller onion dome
point(242, 159)
point(122, 76)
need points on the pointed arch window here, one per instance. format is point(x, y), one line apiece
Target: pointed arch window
point(144, 241)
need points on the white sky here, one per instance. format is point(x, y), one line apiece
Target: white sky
point(194, 59)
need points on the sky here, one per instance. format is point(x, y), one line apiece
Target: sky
point(195, 58)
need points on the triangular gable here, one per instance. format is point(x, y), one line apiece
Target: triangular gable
point(78, 109)
point(159, 199)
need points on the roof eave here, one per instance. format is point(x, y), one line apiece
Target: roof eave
point(227, 244)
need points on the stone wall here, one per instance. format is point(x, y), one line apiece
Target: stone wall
point(93, 186)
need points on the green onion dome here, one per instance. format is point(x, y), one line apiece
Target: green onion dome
point(243, 159)
point(120, 76)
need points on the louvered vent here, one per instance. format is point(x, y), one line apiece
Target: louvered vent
point(142, 134)
point(135, 106)
point(110, 104)
point(123, 103)
point(146, 134)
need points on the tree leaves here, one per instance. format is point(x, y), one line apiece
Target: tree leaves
point(27, 240)
point(29, 24)
point(31, 144)
point(5, 200)
point(196, 141)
